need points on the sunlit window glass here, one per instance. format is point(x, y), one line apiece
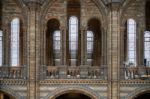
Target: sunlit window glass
point(89, 47)
point(73, 38)
point(131, 42)
point(56, 47)
point(15, 29)
point(147, 48)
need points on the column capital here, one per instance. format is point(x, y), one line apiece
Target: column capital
point(33, 5)
point(83, 28)
point(114, 6)
point(62, 28)
point(122, 29)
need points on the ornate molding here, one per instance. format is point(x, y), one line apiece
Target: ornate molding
point(13, 82)
point(134, 82)
point(73, 81)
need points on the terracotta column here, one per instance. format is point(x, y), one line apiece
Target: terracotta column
point(113, 47)
point(140, 46)
point(122, 52)
point(63, 46)
point(33, 45)
point(83, 46)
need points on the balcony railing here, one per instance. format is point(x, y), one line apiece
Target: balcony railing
point(136, 73)
point(12, 73)
point(76, 72)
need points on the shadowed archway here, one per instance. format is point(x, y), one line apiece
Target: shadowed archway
point(4, 95)
point(145, 95)
point(73, 96)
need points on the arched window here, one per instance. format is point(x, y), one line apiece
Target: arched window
point(56, 47)
point(1, 47)
point(147, 48)
point(90, 39)
point(73, 38)
point(131, 30)
point(53, 45)
point(94, 39)
point(15, 31)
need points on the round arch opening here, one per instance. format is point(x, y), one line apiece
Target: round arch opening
point(145, 95)
point(4, 95)
point(73, 95)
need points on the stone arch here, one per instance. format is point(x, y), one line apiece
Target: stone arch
point(124, 20)
point(125, 5)
point(10, 92)
point(77, 89)
point(99, 4)
point(137, 92)
point(93, 18)
point(124, 10)
point(20, 3)
point(52, 25)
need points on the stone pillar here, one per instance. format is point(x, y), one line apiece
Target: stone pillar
point(63, 46)
point(83, 46)
point(113, 45)
point(6, 36)
point(140, 46)
point(33, 45)
point(62, 69)
point(83, 68)
point(122, 52)
point(103, 47)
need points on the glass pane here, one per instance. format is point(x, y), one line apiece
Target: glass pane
point(132, 41)
point(90, 43)
point(73, 38)
point(15, 29)
point(56, 47)
point(147, 34)
point(89, 40)
point(147, 47)
point(56, 40)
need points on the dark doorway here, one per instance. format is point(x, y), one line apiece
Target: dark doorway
point(6, 96)
point(73, 96)
point(143, 96)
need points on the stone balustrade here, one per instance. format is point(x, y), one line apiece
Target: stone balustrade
point(137, 73)
point(75, 72)
point(12, 73)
